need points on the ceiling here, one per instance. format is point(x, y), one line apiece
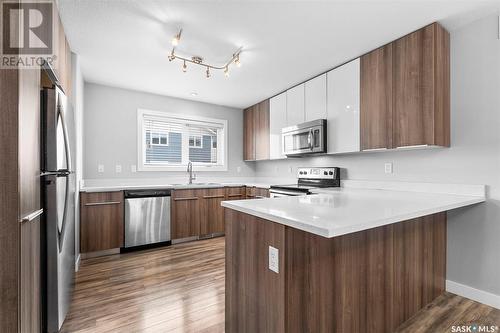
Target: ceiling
point(126, 43)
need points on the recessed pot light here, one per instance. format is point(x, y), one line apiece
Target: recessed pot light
point(194, 94)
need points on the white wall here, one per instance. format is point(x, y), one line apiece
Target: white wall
point(110, 131)
point(474, 157)
point(77, 101)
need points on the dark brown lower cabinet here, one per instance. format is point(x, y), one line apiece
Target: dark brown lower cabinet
point(253, 192)
point(102, 222)
point(212, 213)
point(250, 192)
point(235, 193)
point(261, 192)
point(368, 281)
point(185, 214)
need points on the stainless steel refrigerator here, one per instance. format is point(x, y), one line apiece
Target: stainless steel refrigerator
point(58, 191)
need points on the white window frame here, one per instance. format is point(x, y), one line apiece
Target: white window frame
point(161, 135)
point(198, 166)
point(201, 141)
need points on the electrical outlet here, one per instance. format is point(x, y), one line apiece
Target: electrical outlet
point(118, 168)
point(274, 260)
point(290, 169)
point(388, 167)
point(238, 169)
point(100, 168)
point(133, 168)
point(276, 169)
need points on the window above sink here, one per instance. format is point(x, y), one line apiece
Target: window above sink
point(167, 142)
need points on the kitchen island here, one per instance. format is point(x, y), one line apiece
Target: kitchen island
point(347, 260)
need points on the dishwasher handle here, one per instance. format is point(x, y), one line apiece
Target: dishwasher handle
point(130, 194)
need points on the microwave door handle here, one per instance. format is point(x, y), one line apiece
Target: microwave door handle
point(309, 139)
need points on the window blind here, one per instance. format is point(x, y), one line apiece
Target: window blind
point(176, 141)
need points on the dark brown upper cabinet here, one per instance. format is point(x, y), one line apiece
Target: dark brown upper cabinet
point(262, 131)
point(249, 134)
point(405, 92)
point(376, 99)
point(421, 72)
point(256, 132)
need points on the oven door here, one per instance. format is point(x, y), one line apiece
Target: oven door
point(308, 138)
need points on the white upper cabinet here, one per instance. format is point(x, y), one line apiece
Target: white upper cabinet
point(295, 113)
point(277, 120)
point(315, 103)
point(343, 89)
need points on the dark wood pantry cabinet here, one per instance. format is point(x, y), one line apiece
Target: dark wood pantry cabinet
point(20, 205)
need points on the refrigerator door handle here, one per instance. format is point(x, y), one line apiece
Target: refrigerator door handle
point(58, 173)
point(61, 233)
point(66, 137)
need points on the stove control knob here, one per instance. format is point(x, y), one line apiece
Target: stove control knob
point(331, 173)
point(325, 173)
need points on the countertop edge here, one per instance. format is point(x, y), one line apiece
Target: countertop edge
point(329, 233)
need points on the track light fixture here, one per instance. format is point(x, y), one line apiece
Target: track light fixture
point(235, 59)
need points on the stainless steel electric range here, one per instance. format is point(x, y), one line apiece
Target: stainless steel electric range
point(307, 180)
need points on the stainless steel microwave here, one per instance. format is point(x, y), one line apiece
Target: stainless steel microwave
point(306, 138)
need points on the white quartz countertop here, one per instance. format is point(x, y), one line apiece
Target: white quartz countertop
point(340, 211)
point(120, 185)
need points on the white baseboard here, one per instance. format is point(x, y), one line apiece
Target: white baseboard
point(77, 262)
point(473, 293)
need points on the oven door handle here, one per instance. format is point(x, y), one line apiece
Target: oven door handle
point(288, 193)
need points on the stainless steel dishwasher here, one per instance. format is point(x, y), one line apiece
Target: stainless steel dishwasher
point(147, 217)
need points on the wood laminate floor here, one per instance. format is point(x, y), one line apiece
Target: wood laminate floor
point(181, 289)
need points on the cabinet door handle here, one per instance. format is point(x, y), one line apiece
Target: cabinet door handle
point(103, 203)
point(32, 216)
point(188, 198)
point(234, 195)
point(213, 196)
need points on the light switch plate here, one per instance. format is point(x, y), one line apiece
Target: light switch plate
point(274, 261)
point(238, 169)
point(133, 168)
point(100, 168)
point(118, 168)
point(388, 167)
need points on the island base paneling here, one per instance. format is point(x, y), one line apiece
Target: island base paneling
point(368, 281)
